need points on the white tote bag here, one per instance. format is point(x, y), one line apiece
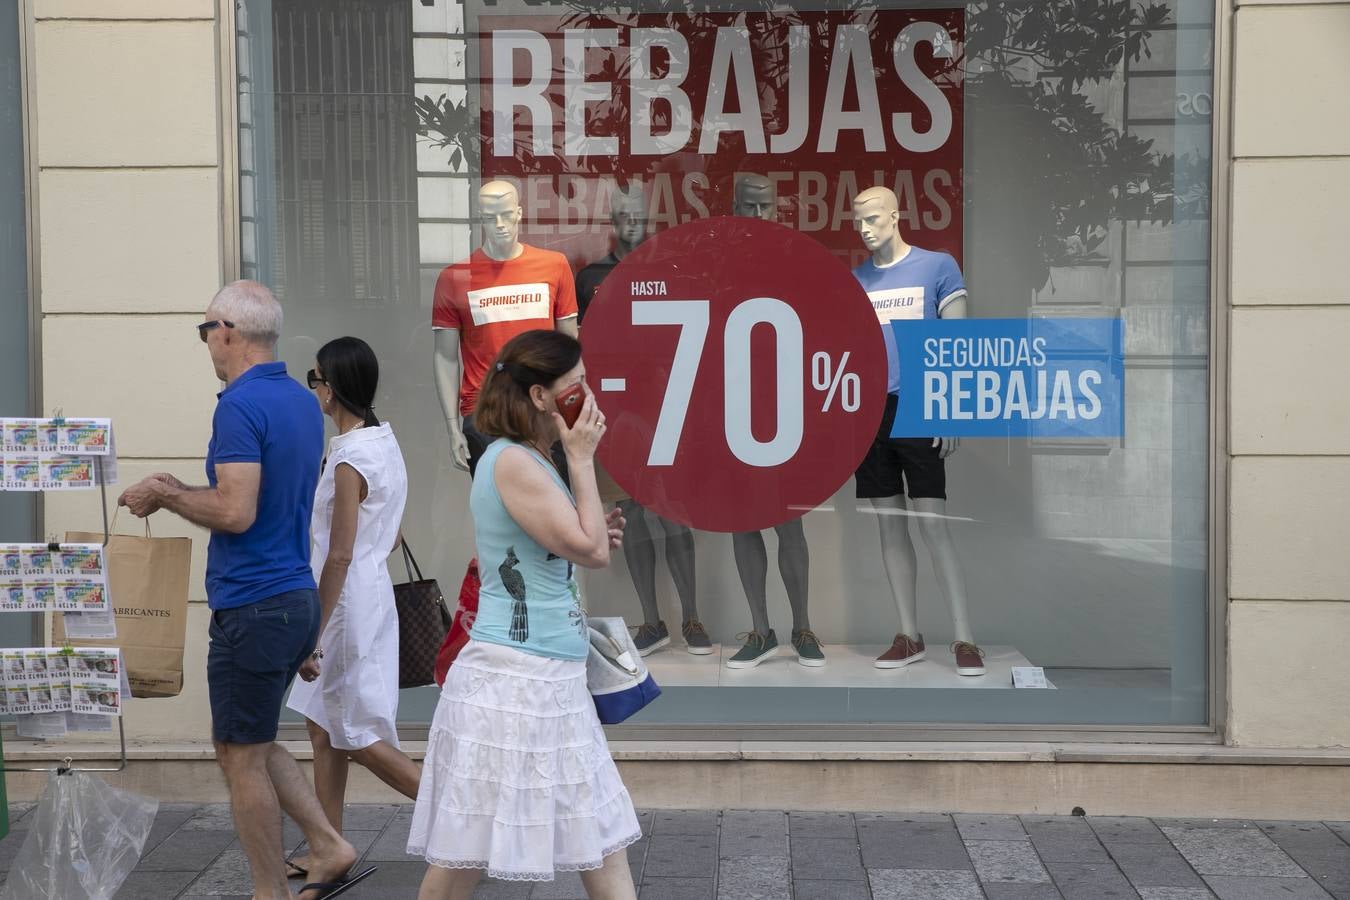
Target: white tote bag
point(616, 676)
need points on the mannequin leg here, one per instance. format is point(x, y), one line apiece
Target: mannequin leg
point(752, 564)
point(897, 556)
point(794, 564)
point(938, 538)
point(680, 559)
point(639, 550)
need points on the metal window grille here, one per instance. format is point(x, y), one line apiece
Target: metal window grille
point(345, 230)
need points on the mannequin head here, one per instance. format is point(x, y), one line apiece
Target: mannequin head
point(500, 214)
point(876, 215)
point(755, 197)
point(628, 218)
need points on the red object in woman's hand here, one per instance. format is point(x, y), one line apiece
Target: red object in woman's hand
point(570, 402)
point(460, 625)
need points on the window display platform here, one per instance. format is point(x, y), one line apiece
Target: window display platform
point(846, 665)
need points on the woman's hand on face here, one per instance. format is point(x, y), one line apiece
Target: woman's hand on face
point(615, 522)
point(581, 439)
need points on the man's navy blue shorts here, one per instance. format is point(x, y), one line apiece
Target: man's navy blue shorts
point(255, 652)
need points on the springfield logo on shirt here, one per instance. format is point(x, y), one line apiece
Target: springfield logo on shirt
point(510, 303)
point(897, 303)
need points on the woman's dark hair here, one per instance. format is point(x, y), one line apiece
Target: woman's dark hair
point(534, 358)
point(353, 373)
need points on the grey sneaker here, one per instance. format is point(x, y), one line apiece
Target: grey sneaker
point(808, 649)
point(758, 647)
point(650, 638)
point(696, 639)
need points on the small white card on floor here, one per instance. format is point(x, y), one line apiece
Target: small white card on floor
point(1029, 677)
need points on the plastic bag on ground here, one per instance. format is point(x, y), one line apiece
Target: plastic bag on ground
point(84, 840)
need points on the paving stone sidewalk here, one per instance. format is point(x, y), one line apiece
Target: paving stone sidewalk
point(193, 854)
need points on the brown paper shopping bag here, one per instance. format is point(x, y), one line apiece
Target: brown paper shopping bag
point(148, 585)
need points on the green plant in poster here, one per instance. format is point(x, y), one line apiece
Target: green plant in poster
point(1029, 69)
point(450, 125)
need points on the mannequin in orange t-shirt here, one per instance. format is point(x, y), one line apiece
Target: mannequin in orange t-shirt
point(502, 289)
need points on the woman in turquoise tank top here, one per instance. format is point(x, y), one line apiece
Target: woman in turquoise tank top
point(518, 780)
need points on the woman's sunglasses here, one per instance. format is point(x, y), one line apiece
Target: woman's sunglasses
point(313, 380)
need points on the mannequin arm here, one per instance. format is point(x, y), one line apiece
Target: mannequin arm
point(956, 309)
point(446, 370)
point(567, 326)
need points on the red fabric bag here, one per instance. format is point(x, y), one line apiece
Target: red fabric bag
point(465, 613)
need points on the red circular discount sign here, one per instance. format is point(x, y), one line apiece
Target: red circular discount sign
point(742, 371)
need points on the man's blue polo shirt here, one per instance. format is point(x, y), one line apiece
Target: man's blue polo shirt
point(265, 416)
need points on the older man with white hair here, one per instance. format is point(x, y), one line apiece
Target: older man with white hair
point(262, 466)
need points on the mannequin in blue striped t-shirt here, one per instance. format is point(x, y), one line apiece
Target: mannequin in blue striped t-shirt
point(905, 282)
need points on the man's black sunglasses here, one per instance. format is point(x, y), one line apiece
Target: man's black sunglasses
point(204, 327)
point(312, 379)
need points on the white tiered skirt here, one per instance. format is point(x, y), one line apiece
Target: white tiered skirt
point(518, 779)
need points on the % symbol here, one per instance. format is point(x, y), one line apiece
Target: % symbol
point(826, 376)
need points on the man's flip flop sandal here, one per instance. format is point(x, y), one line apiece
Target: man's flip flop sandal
point(328, 889)
point(294, 871)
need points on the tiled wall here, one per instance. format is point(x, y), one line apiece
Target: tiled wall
point(128, 149)
point(1289, 415)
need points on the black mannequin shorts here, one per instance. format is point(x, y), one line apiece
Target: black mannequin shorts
point(894, 466)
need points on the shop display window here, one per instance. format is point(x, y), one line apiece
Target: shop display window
point(900, 312)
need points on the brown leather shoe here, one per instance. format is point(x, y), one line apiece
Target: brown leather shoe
point(969, 658)
point(904, 650)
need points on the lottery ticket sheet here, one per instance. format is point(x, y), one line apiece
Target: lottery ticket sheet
point(54, 472)
point(77, 437)
point(69, 578)
point(56, 454)
point(85, 681)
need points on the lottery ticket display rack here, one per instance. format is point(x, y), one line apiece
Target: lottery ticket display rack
point(95, 455)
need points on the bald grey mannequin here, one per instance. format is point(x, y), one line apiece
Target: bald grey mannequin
point(876, 214)
point(755, 196)
point(628, 219)
point(500, 213)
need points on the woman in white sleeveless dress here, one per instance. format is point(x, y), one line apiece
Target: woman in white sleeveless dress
point(348, 692)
